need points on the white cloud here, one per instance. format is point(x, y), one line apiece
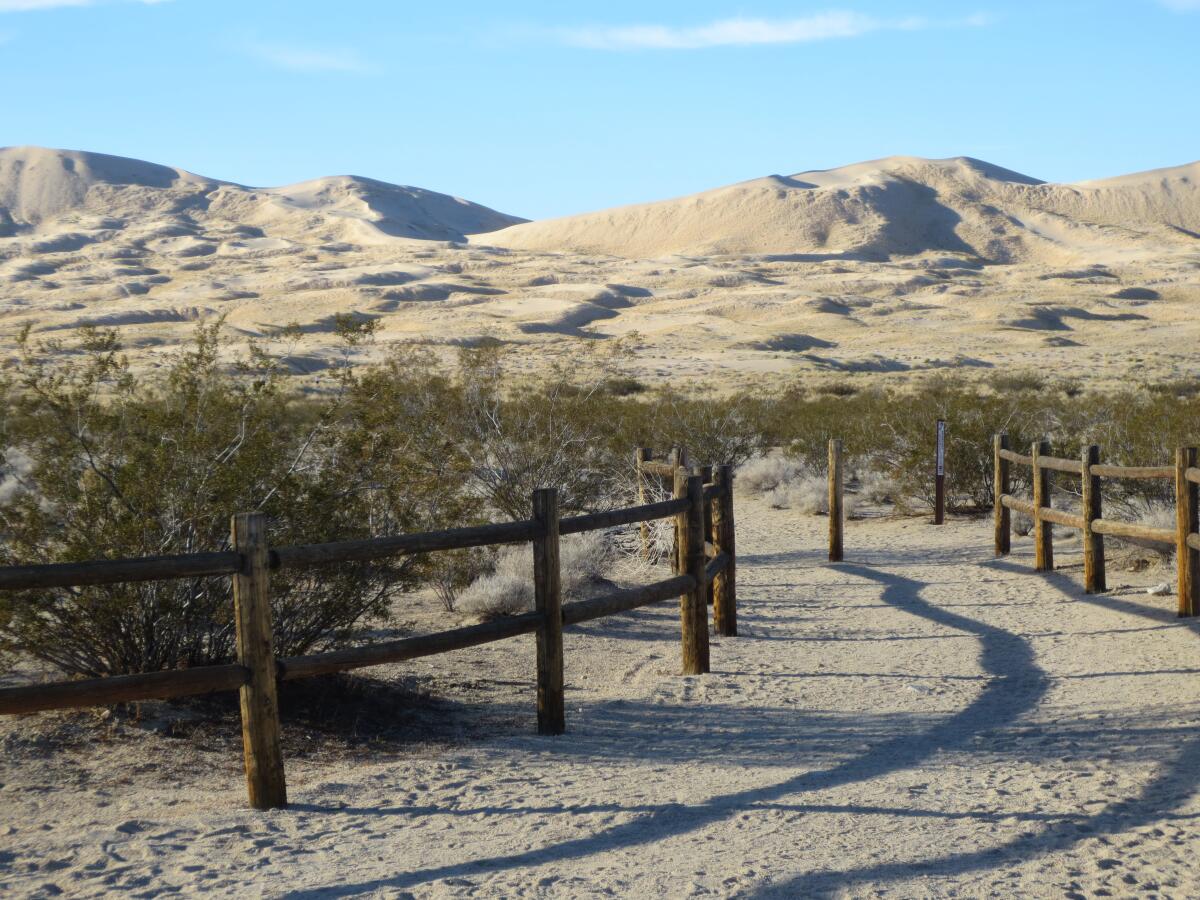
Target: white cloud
point(1181, 5)
point(32, 5)
point(26, 5)
point(298, 58)
point(743, 32)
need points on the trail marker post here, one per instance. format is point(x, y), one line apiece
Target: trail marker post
point(939, 510)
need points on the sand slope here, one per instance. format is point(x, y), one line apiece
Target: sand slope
point(38, 185)
point(895, 206)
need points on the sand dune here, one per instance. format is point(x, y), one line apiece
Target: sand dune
point(876, 210)
point(879, 270)
point(38, 185)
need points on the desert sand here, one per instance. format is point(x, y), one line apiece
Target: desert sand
point(885, 269)
point(919, 721)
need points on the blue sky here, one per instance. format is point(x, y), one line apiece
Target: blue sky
point(544, 108)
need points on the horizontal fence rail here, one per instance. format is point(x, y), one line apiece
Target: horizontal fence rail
point(122, 689)
point(1184, 537)
point(702, 509)
point(119, 571)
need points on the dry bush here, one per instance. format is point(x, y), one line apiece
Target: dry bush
point(809, 495)
point(507, 590)
point(767, 473)
point(109, 465)
point(877, 488)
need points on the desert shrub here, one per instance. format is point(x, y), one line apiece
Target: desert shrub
point(514, 445)
point(766, 473)
point(623, 386)
point(451, 571)
point(874, 487)
point(808, 495)
point(715, 430)
point(109, 465)
point(508, 589)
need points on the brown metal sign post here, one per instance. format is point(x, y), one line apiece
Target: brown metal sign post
point(939, 511)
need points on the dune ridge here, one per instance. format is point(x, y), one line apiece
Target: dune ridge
point(899, 205)
point(39, 185)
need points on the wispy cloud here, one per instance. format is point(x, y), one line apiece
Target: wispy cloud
point(741, 32)
point(1181, 5)
point(304, 58)
point(7, 6)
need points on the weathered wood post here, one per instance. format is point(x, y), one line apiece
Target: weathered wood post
point(939, 490)
point(1043, 531)
point(835, 501)
point(265, 780)
point(1092, 507)
point(547, 596)
point(706, 475)
point(724, 588)
point(693, 605)
point(678, 460)
point(1001, 485)
point(678, 492)
point(1187, 520)
point(643, 455)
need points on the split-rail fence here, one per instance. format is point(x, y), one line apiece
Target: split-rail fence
point(706, 555)
point(1184, 537)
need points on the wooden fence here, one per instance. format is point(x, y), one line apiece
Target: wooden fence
point(257, 671)
point(717, 526)
point(1183, 537)
point(650, 470)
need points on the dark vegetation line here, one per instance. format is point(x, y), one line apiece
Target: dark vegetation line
point(99, 461)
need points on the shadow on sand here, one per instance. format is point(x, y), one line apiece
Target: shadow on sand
point(846, 750)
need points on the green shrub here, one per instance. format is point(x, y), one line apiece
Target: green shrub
point(115, 466)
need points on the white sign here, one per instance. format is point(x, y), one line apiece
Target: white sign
point(941, 447)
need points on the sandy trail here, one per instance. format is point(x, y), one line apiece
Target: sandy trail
point(919, 721)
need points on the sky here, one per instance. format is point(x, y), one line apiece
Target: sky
point(546, 108)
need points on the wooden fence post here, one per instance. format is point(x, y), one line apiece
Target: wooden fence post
point(724, 588)
point(1043, 531)
point(547, 594)
point(835, 501)
point(1092, 507)
point(1001, 485)
point(1187, 520)
point(706, 475)
point(679, 492)
point(693, 606)
point(644, 455)
point(678, 460)
point(265, 781)
point(939, 489)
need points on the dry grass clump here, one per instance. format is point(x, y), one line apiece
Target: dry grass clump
point(788, 484)
point(584, 560)
point(767, 473)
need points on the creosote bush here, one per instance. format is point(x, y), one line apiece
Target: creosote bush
point(97, 461)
